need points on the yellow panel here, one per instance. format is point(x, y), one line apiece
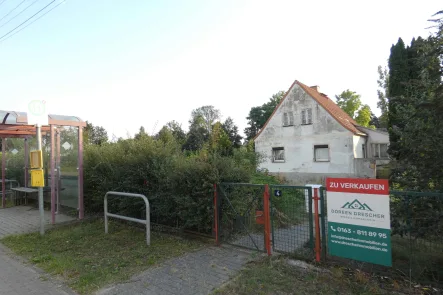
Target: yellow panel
point(36, 159)
point(37, 178)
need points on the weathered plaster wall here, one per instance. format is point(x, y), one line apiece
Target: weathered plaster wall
point(298, 141)
point(359, 141)
point(375, 136)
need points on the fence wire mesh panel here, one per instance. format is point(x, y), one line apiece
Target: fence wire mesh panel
point(417, 235)
point(242, 215)
point(291, 219)
point(416, 239)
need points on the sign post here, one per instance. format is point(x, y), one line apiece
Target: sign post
point(359, 224)
point(38, 116)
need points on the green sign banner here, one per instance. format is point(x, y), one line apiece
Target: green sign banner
point(359, 219)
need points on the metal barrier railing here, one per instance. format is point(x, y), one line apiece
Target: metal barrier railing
point(142, 221)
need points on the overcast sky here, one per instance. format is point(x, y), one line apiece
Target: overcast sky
point(131, 63)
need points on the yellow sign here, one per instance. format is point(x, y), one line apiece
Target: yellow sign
point(37, 178)
point(36, 159)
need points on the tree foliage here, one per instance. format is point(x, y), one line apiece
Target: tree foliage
point(260, 114)
point(141, 133)
point(205, 117)
point(416, 132)
point(94, 134)
point(232, 131)
point(382, 103)
point(350, 102)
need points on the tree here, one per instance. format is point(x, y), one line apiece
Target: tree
point(416, 133)
point(165, 135)
point(177, 131)
point(141, 133)
point(259, 115)
point(375, 121)
point(416, 128)
point(232, 131)
point(382, 104)
point(364, 116)
point(197, 137)
point(398, 69)
point(350, 102)
point(94, 134)
point(206, 116)
point(220, 141)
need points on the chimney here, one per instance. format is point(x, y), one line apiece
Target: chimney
point(316, 88)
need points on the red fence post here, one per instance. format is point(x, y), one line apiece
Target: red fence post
point(217, 242)
point(317, 226)
point(266, 207)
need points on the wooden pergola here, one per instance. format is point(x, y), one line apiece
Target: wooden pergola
point(15, 125)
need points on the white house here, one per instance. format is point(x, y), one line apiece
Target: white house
point(308, 138)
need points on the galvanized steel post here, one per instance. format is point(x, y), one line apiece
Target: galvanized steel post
point(147, 222)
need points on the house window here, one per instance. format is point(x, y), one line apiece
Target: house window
point(321, 153)
point(288, 119)
point(278, 154)
point(380, 150)
point(306, 116)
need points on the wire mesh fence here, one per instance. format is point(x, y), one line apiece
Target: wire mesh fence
point(242, 215)
point(416, 238)
point(291, 218)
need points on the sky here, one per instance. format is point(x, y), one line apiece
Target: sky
point(125, 64)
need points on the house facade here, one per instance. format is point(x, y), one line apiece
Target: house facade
point(308, 138)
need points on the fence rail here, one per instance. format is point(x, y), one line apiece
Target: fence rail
point(142, 221)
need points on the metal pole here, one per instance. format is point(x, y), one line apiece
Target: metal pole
point(105, 203)
point(26, 161)
point(81, 209)
point(3, 172)
point(59, 182)
point(40, 189)
point(53, 175)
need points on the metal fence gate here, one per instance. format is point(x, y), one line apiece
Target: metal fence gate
point(241, 215)
point(292, 218)
point(261, 217)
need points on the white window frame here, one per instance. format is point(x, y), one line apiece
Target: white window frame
point(376, 150)
point(282, 155)
point(321, 146)
point(306, 116)
point(288, 119)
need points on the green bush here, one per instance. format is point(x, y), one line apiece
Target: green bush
point(179, 186)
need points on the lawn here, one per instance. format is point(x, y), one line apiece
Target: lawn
point(275, 276)
point(88, 259)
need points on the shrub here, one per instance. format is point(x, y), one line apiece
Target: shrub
point(179, 186)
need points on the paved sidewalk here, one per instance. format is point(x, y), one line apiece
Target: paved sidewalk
point(19, 279)
point(25, 219)
point(195, 273)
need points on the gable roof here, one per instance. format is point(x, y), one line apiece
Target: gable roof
point(322, 99)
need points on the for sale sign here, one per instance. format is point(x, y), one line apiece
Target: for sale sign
point(359, 225)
